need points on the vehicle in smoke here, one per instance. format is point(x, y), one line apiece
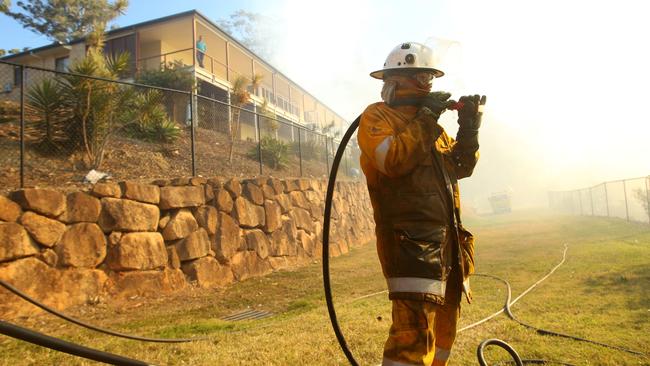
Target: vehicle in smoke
point(500, 202)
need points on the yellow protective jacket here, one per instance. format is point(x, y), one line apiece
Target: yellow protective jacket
point(412, 167)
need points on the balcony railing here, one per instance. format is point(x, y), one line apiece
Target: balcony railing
point(217, 69)
point(184, 57)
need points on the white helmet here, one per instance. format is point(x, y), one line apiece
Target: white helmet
point(409, 56)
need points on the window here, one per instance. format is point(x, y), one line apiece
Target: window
point(117, 46)
point(61, 64)
point(126, 44)
point(268, 95)
point(286, 105)
point(18, 75)
point(295, 110)
point(310, 116)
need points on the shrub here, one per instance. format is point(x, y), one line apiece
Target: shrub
point(9, 111)
point(310, 150)
point(165, 131)
point(275, 153)
point(149, 118)
point(173, 75)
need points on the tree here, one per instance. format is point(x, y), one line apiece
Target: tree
point(99, 108)
point(239, 97)
point(255, 31)
point(268, 120)
point(331, 130)
point(65, 20)
point(2, 52)
point(643, 199)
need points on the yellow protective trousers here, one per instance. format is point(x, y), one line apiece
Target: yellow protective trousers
point(423, 333)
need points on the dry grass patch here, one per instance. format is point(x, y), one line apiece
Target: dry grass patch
point(601, 292)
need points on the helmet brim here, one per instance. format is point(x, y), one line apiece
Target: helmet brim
point(379, 74)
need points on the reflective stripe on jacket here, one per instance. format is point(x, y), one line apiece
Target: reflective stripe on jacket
point(403, 156)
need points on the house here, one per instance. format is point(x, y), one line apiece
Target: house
point(158, 42)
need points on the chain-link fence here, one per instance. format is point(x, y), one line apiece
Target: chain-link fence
point(55, 127)
point(627, 199)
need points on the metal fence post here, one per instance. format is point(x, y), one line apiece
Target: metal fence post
point(606, 199)
point(647, 197)
point(627, 211)
point(192, 115)
point(22, 126)
point(259, 140)
point(580, 201)
point(300, 151)
point(591, 201)
point(327, 157)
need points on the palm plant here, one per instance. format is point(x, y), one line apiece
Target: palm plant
point(49, 115)
point(149, 118)
point(240, 96)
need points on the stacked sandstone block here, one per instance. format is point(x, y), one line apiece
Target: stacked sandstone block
point(125, 239)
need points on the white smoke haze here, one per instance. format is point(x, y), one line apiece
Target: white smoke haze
point(567, 82)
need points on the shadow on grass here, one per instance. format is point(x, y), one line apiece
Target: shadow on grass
point(196, 328)
point(633, 284)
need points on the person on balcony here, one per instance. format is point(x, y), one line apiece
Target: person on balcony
point(201, 49)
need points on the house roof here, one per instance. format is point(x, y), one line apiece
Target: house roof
point(109, 32)
point(160, 20)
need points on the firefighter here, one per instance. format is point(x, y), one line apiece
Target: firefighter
point(412, 169)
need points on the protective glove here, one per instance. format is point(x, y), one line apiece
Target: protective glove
point(469, 115)
point(437, 102)
point(469, 121)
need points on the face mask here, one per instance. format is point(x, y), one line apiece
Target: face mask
point(388, 91)
point(424, 79)
point(396, 86)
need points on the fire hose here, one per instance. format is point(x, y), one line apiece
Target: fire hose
point(90, 326)
point(57, 344)
point(43, 340)
point(490, 342)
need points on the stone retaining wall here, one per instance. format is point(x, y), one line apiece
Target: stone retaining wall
point(125, 239)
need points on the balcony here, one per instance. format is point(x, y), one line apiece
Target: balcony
point(224, 61)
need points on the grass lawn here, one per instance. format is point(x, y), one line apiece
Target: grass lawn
point(602, 292)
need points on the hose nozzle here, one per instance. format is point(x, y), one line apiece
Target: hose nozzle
point(455, 106)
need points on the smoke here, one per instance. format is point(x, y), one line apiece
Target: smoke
point(566, 88)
